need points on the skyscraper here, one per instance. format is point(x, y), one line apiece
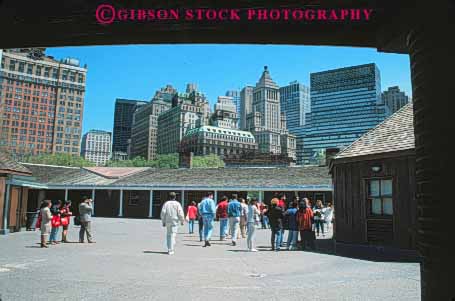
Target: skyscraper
point(235, 98)
point(41, 103)
point(345, 103)
point(123, 122)
point(296, 104)
point(246, 105)
point(267, 122)
point(145, 124)
point(188, 111)
point(96, 147)
point(394, 99)
point(225, 114)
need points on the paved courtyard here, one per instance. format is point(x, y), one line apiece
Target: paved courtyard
point(128, 262)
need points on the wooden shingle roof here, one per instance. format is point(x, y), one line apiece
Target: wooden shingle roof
point(310, 177)
point(394, 134)
point(8, 165)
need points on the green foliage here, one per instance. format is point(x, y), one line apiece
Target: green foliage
point(209, 161)
point(169, 161)
point(162, 161)
point(58, 159)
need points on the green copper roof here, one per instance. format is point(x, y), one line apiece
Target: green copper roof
point(218, 130)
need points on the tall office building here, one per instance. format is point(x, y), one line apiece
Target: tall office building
point(225, 115)
point(41, 103)
point(267, 122)
point(394, 98)
point(188, 111)
point(123, 122)
point(345, 103)
point(246, 105)
point(145, 124)
point(295, 102)
point(96, 147)
point(236, 99)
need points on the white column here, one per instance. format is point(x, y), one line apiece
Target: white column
point(66, 194)
point(182, 198)
point(215, 197)
point(151, 204)
point(260, 196)
point(120, 209)
point(93, 201)
point(6, 208)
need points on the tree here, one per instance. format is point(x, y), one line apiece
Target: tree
point(209, 161)
point(58, 159)
point(161, 161)
point(167, 161)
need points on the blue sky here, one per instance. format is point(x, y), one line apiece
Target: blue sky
point(137, 71)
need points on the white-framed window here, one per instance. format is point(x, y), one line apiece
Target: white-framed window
point(379, 197)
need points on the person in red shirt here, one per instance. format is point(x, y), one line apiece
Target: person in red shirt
point(282, 204)
point(305, 224)
point(191, 216)
point(222, 216)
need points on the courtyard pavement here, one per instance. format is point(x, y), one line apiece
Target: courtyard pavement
point(129, 262)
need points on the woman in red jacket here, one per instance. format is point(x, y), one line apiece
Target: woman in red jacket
point(191, 216)
point(305, 224)
point(65, 217)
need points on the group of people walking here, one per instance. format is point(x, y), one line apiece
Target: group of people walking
point(239, 218)
point(53, 215)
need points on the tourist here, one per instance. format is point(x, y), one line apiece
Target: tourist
point(44, 221)
point(208, 209)
point(252, 220)
point(222, 216)
point(328, 214)
point(293, 231)
point(234, 213)
point(282, 204)
point(171, 215)
point(305, 225)
point(85, 213)
point(200, 223)
point(319, 218)
point(276, 215)
point(65, 216)
point(191, 216)
point(56, 222)
point(243, 217)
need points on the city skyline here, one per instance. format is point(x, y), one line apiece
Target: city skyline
point(134, 80)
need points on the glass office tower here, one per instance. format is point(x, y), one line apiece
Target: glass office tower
point(345, 103)
point(295, 103)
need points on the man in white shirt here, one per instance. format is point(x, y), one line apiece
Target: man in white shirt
point(171, 215)
point(243, 217)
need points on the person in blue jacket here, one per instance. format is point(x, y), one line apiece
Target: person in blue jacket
point(234, 213)
point(207, 209)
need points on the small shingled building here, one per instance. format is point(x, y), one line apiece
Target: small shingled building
point(375, 188)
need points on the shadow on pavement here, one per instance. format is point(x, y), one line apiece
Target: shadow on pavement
point(155, 252)
point(193, 245)
point(240, 251)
